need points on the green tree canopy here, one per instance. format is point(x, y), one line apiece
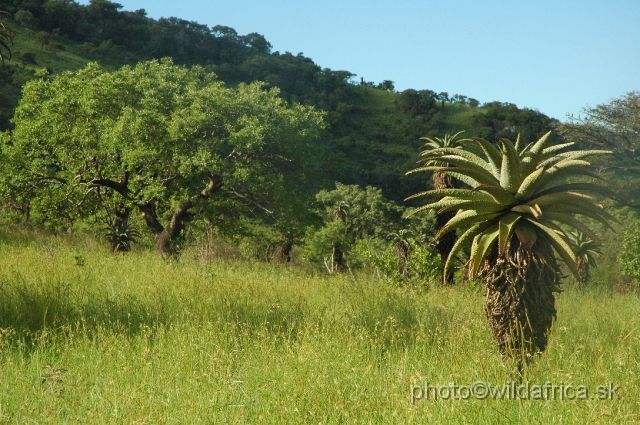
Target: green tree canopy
point(614, 126)
point(157, 138)
point(350, 213)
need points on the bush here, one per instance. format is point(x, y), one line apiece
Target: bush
point(26, 58)
point(629, 258)
point(408, 263)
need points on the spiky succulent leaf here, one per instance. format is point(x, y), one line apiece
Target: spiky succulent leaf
point(556, 148)
point(528, 186)
point(538, 147)
point(507, 225)
point(474, 177)
point(467, 194)
point(510, 178)
point(459, 162)
point(571, 221)
point(466, 218)
point(484, 206)
point(570, 155)
point(467, 236)
point(583, 186)
point(584, 247)
point(494, 156)
point(480, 248)
point(560, 245)
point(499, 195)
point(431, 157)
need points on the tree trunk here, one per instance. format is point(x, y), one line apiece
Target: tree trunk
point(339, 263)
point(283, 250)
point(166, 234)
point(583, 272)
point(447, 241)
point(520, 305)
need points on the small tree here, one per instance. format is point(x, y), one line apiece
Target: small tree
point(43, 37)
point(26, 19)
point(386, 85)
point(443, 97)
point(349, 214)
point(26, 58)
point(55, 48)
point(614, 126)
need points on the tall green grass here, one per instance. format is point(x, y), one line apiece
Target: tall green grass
point(90, 337)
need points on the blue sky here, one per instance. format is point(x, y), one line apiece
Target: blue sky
point(554, 56)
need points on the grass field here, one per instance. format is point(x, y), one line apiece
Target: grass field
point(89, 337)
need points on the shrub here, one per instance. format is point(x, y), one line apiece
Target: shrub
point(629, 258)
point(414, 264)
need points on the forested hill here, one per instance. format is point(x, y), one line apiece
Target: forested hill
point(374, 133)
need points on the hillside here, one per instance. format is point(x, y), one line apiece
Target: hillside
point(374, 132)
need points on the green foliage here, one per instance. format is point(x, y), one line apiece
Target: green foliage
point(320, 246)
point(629, 257)
point(43, 37)
point(160, 137)
point(26, 19)
point(500, 119)
point(401, 261)
point(26, 58)
point(373, 134)
point(613, 126)
point(349, 214)
point(515, 192)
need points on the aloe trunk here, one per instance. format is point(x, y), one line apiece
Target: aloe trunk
point(520, 305)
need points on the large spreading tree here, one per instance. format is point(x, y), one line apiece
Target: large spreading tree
point(157, 138)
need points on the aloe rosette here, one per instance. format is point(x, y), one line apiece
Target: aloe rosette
point(514, 214)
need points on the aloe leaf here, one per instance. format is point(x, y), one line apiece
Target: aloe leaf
point(509, 175)
point(481, 245)
point(465, 218)
point(494, 156)
point(506, 226)
point(499, 194)
point(467, 194)
point(528, 186)
point(462, 241)
point(561, 246)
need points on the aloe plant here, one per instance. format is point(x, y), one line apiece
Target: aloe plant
point(512, 216)
point(586, 250)
point(442, 181)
